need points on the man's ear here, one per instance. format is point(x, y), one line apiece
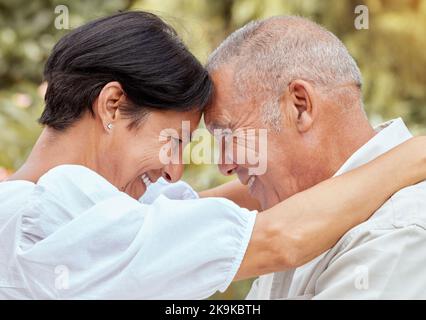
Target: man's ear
point(108, 102)
point(301, 95)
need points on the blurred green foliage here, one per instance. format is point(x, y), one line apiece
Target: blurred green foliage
point(390, 53)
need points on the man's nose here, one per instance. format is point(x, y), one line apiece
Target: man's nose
point(173, 172)
point(227, 169)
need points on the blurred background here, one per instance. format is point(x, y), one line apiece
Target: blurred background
point(390, 53)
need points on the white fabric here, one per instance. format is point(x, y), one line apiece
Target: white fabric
point(382, 258)
point(177, 191)
point(75, 236)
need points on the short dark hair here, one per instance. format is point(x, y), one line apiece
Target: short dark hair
point(135, 48)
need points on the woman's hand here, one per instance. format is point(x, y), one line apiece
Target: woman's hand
point(234, 191)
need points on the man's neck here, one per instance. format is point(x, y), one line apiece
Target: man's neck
point(347, 139)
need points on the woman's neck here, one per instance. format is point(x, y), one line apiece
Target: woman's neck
point(54, 148)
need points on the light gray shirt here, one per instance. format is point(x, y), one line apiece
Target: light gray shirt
point(382, 258)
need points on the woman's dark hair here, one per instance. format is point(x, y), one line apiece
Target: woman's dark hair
point(137, 49)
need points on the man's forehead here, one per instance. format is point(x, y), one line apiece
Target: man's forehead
point(217, 113)
point(228, 106)
point(223, 82)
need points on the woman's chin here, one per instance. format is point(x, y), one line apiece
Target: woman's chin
point(136, 188)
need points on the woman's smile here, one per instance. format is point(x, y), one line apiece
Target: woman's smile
point(146, 180)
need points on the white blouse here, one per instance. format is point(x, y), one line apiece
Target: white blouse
point(73, 235)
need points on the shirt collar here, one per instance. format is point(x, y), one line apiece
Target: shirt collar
point(389, 135)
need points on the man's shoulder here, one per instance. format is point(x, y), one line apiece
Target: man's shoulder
point(409, 206)
point(406, 208)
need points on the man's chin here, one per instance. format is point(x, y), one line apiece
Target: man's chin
point(264, 193)
point(262, 196)
point(265, 202)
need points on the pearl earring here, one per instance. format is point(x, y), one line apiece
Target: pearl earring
point(109, 126)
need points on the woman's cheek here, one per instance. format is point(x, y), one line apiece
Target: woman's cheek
point(150, 157)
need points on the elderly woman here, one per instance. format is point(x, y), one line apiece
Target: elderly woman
point(70, 226)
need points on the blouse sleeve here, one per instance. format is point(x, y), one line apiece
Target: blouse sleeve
point(179, 191)
point(118, 248)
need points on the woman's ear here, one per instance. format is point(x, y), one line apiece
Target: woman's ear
point(301, 97)
point(108, 102)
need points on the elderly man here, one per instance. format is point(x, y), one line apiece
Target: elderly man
point(296, 79)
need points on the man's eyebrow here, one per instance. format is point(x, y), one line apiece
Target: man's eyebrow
point(220, 125)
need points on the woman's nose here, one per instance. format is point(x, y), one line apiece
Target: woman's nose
point(173, 173)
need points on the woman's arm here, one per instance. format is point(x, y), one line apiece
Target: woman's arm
point(302, 227)
point(234, 191)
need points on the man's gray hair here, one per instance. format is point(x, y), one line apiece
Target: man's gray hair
point(267, 55)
